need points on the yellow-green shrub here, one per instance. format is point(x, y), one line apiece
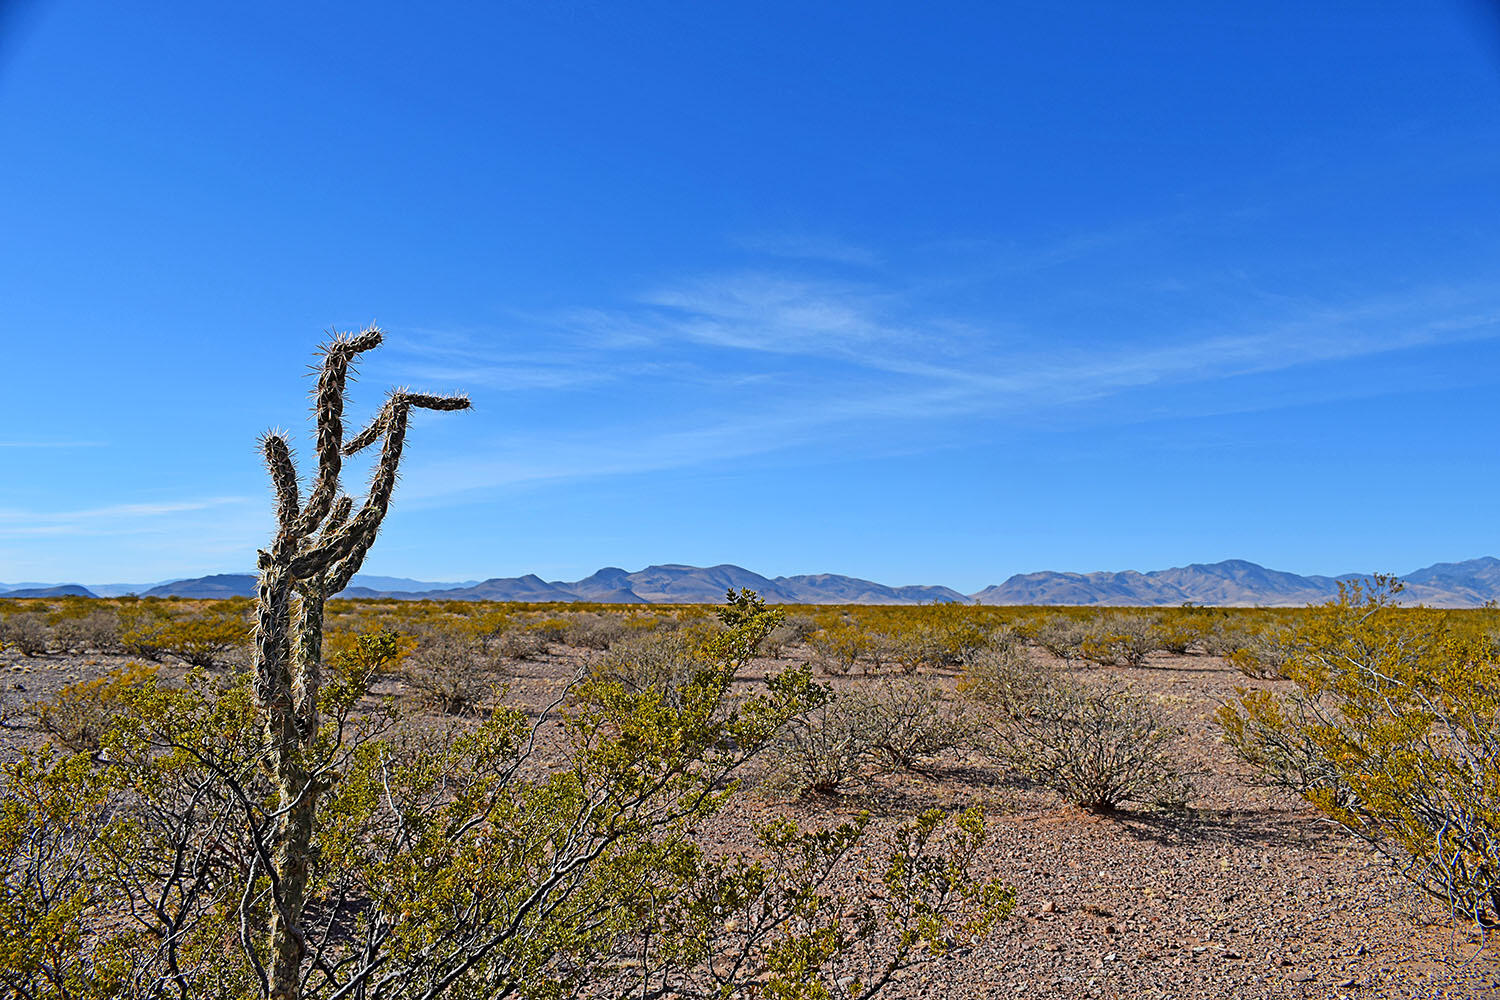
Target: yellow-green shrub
point(80, 713)
point(840, 647)
point(142, 627)
point(203, 637)
point(1120, 639)
point(1391, 730)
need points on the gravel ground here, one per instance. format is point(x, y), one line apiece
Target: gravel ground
point(1246, 895)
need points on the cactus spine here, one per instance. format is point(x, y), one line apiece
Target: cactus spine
point(317, 548)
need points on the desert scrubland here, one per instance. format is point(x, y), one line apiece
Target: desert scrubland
point(1107, 803)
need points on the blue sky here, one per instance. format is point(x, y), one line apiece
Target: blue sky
point(925, 293)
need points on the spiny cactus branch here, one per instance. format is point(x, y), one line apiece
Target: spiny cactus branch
point(368, 436)
point(380, 423)
point(338, 358)
point(336, 517)
point(283, 477)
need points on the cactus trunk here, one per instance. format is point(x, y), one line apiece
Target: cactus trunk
point(315, 552)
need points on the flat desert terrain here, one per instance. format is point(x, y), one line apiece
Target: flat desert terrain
point(1246, 893)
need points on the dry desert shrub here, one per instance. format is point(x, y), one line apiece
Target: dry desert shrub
point(1003, 674)
point(656, 661)
point(450, 672)
point(1061, 635)
point(1100, 747)
point(904, 725)
point(1226, 637)
point(820, 751)
point(911, 649)
point(891, 726)
point(97, 630)
point(518, 643)
point(792, 630)
point(26, 632)
point(593, 631)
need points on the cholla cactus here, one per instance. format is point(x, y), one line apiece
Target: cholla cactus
point(317, 548)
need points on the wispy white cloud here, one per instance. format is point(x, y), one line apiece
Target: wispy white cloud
point(766, 312)
point(723, 366)
point(542, 458)
point(114, 519)
point(876, 330)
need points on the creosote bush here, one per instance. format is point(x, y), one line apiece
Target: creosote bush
point(1120, 639)
point(144, 626)
point(208, 636)
point(1177, 634)
point(1392, 730)
point(840, 647)
point(81, 713)
point(1263, 655)
point(549, 630)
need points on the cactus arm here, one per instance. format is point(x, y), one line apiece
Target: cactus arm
point(383, 482)
point(342, 570)
point(380, 423)
point(383, 479)
point(338, 358)
point(369, 435)
point(337, 516)
point(284, 477)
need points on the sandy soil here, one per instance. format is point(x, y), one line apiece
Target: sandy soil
point(1247, 895)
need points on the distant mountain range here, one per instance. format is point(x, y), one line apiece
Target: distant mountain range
point(1234, 582)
